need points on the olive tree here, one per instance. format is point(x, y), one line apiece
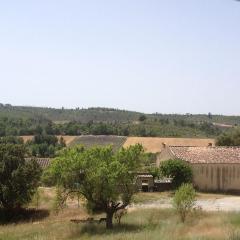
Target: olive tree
point(104, 177)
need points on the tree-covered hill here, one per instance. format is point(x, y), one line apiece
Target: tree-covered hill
point(106, 115)
point(64, 115)
point(21, 120)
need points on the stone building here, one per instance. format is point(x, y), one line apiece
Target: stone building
point(145, 182)
point(214, 168)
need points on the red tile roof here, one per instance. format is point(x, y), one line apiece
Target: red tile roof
point(207, 154)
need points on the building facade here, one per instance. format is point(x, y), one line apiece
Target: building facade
point(215, 169)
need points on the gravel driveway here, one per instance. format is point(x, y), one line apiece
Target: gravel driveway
point(228, 203)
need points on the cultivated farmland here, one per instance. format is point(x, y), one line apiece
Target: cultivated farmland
point(89, 141)
point(154, 144)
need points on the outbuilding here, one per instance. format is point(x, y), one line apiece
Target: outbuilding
point(214, 168)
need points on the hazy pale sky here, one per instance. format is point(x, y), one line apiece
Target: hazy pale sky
point(165, 56)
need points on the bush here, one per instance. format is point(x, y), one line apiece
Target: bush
point(184, 200)
point(18, 178)
point(178, 170)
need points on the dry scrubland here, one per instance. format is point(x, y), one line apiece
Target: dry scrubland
point(137, 224)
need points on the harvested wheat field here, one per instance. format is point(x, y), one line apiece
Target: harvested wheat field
point(154, 144)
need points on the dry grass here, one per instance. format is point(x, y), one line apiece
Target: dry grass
point(68, 139)
point(27, 138)
point(154, 144)
point(147, 197)
point(140, 224)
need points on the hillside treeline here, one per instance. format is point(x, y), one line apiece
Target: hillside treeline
point(144, 127)
point(41, 145)
point(106, 115)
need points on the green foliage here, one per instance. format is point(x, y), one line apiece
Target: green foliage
point(18, 178)
point(102, 121)
point(36, 198)
point(178, 170)
point(11, 139)
point(44, 145)
point(154, 171)
point(230, 138)
point(150, 159)
point(59, 200)
point(184, 200)
point(104, 177)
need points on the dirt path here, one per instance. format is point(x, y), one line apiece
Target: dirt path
point(228, 203)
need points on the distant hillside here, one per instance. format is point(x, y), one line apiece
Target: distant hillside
point(23, 121)
point(106, 115)
point(63, 115)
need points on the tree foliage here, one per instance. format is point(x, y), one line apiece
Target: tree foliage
point(230, 138)
point(18, 178)
point(104, 177)
point(178, 170)
point(105, 122)
point(184, 200)
point(154, 171)
point(44, 145)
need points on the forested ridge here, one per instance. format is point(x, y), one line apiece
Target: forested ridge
point(23, 120)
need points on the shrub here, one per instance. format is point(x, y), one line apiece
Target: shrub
point(178, 170)
point(184, 200)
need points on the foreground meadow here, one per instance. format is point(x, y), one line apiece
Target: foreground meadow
point(139, 224)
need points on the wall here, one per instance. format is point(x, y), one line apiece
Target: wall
point(217, 177)
point(166, 154)
point(148, 180)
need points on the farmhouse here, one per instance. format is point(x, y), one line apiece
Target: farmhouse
point(214, 168)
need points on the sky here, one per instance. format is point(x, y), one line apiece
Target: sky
point(143, 55)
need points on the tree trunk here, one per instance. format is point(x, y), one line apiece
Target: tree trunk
point(109, 220)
